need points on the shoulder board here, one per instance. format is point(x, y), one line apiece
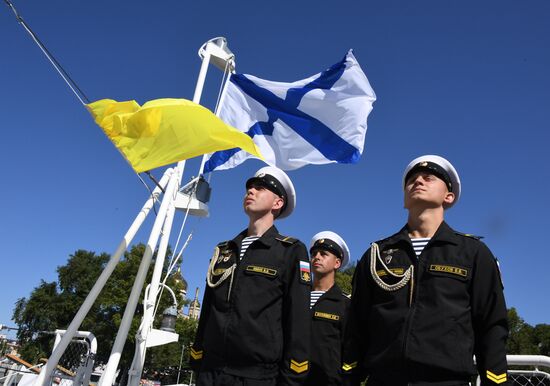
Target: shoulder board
point(223, 244)
point(382, 241)
point(286, 239)
point(469, 235)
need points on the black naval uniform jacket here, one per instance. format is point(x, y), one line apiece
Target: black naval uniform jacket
point(327, 332)
point(256, 324)
point(428, 331)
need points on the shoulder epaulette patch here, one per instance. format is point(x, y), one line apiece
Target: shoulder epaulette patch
point(305, 272)
point(223, 244)
point(286, 239)
point(469, 235)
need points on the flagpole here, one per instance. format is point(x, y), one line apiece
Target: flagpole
point(60, 348)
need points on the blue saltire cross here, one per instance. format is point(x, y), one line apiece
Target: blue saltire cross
point(311, 129)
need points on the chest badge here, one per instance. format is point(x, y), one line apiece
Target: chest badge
point(224, 255)
point(388, 255)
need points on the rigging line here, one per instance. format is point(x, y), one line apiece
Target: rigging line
point(191, 194)
point(175, 256)
point(171, 263)
point(66, 77)
point(150, 193)
point(152, 178)
point(178, 255)
point(170, 268)
point(222, 84)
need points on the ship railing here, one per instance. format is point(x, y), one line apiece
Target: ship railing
point(525, 370)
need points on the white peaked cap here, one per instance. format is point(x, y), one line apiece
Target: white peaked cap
point(325, 239)
point(438, 165)
point(282, 185)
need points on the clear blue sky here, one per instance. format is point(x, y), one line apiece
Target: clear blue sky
point(467, 80)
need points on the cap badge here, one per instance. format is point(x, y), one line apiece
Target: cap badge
point(423, 164)
point(261, 175)
point(321, 241)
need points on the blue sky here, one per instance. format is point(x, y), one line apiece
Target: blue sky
point(467, 80)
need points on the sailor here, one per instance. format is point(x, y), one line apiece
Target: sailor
point(428, 298)
point(254, 325)
point(329, 306)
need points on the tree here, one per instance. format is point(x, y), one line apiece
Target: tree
point(520, 340)
point(343, 278)
point(541, 338)
point(163, 362)
point(52, 306)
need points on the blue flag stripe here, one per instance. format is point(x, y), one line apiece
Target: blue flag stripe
point(328, 143)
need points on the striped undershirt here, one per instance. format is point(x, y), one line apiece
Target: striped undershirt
point(246, 243)
point(315, 295)
point(419, 244)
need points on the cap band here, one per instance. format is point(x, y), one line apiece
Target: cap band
point(270, 183)
point(433, 168)
point(328, 245)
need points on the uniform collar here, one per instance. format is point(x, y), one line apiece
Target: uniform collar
point(333, 293)
point(268, 238)
point(444, 233)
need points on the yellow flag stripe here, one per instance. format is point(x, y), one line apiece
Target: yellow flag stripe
point(164, 131)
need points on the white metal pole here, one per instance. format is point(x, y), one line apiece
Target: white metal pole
point(108, 376)
point(60, 348)
point(222, 97)
point(181, 360)
point(202, 77)
point(152, 297)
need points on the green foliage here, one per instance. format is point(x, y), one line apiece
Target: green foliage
point(541, 338)
point(343, 278)
point(525, 339)
point(163, 362)
point(52, 306)
point(520, 340)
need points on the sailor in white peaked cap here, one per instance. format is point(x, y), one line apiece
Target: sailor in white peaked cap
point(329, 306)
point(254, 327)
point(411, 286)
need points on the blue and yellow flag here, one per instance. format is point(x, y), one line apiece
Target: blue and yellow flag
point(164, 131)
